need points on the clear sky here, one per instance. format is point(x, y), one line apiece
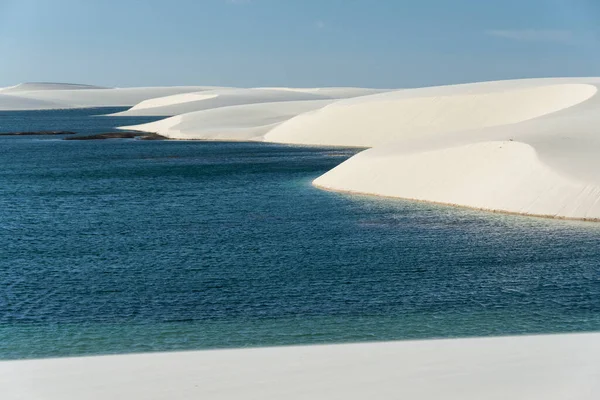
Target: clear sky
point(377, 43)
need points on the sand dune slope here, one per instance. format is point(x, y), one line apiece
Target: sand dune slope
point(243, 122)
point(372, 120)
point(224, 97)
point(501, 176)
point(14, 103)
point(520, 368)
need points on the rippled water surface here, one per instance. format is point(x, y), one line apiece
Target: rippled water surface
point(125, 245)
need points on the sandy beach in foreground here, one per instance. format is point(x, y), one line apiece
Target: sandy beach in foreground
point(529, 367)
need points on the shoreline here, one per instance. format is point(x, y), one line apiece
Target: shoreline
point(437, 203)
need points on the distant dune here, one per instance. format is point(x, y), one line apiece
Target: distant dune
point(37, 86)
point(15, 103)
point(225, 97)
point(39, 96)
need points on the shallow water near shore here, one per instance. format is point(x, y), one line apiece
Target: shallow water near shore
point(124, 246)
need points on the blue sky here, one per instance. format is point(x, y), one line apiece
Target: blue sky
point(377, 43)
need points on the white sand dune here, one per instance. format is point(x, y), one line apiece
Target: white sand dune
point(14, 103)
point(504, 176)
point(173, 100)
point(121, 97)
point(331, 92)
point(372, 120)
point(224, 97)
point(37, 86)
point(241, 123)
point(526, 147)
point(51, 96)
point(517, 368)
point(522, 146)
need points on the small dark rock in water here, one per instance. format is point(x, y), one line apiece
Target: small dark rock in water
point(152, 136)
point(119, 135)
point(47, 133)
point(111, 135)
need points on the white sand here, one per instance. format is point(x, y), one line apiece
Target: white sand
point(225, 97)
point(243, 122)
point(504, 176)
point(51, 96)
point(172, 100)
point(37, 86)
point(518, 368)
point(372, 120)
point(9, 102)
point(528, 149)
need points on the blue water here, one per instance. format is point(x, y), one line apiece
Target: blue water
point(126, 246)
point(82, 121)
